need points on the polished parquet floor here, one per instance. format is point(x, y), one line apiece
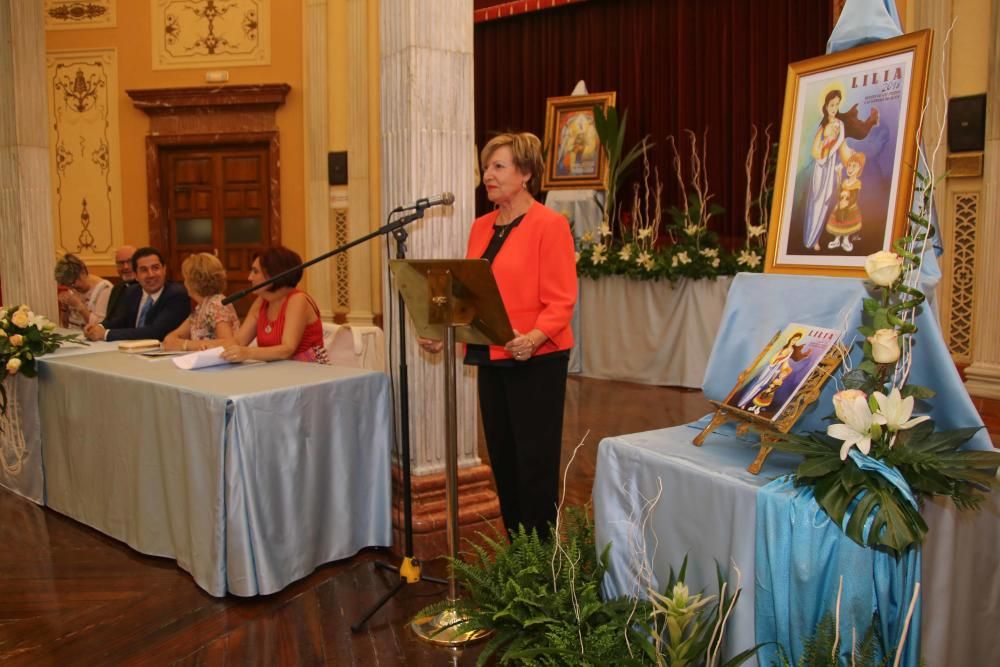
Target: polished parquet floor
point(71, 596)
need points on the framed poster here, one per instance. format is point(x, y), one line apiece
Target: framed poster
point(846, 163)
point(574, 158)
point(780, 370)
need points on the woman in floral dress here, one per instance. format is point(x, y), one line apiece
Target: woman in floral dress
point(211, 322)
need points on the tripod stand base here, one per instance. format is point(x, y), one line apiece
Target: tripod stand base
point(444, 629)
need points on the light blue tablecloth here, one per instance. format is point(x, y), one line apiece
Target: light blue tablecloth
point(20, 431)
point(250, 476)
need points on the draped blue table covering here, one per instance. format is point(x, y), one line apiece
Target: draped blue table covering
point(711, 509)
point(250, 476)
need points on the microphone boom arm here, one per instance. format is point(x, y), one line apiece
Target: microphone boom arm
point(387, 228)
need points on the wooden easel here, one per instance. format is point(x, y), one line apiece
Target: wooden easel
point(768, 429)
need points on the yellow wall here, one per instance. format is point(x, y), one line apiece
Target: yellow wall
point(133, 41)
point(971, 46)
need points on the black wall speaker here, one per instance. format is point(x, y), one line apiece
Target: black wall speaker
point(336, 165)
point(967, 123)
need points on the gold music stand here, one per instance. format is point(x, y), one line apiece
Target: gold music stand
point(451, 300)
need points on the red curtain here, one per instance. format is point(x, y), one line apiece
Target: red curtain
point(674, 64)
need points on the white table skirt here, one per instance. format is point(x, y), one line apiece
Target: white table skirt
point(649, 331)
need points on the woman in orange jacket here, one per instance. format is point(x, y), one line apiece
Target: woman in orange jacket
point(522, 385)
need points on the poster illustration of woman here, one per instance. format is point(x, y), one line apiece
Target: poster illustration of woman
point(782, 369)
point(830, 209)
point(830, 152)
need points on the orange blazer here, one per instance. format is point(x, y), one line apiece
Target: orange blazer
point(536, 273)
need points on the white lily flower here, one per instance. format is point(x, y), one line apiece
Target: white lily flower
point(625, 254)
point(604, 229)
point(894, 411)
point(856, 427)
point(645, 232)
point(691, 230)
point(748, 258)
point(710, 252)
point(682, 257)
point(645, 260)
point(754, 231)
point(587, 238)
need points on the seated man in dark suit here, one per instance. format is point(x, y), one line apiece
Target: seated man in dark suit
point(123, 264)
point(151, 309)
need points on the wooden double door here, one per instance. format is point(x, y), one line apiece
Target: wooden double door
point(217, 200)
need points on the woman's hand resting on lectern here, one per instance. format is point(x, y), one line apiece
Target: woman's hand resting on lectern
point(432, 346)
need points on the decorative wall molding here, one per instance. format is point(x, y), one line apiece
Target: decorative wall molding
point(80, 14)
point(84, 152)
point(210, 33)
point(343, 275)
point(965, 210)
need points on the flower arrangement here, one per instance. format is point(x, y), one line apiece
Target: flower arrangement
point(878, 460)
point(688, 248)
point(25, 336)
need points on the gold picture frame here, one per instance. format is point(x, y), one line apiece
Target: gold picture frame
point(574, 158)
point(847, 157)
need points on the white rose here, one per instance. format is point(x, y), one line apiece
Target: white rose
point(842, 399)
point(19, 319)
point(883, 267)
point(17, 340)
point(885, 346)
point(13, 365)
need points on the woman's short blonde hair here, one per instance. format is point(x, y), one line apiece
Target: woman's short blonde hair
point(69, 268)
point(527, 151)
point(204, 273)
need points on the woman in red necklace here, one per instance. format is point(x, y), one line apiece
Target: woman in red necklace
point(284, 320)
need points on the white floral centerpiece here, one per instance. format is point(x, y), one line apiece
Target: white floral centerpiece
point(25, 336)
point(646, 247)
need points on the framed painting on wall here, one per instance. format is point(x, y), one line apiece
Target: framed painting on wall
point(848, 154)
point(574, 158)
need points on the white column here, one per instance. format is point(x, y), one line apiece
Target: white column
point(26, 242)
point(427, 139)
point(983, 375)
point(318, 237)
point(361, 218)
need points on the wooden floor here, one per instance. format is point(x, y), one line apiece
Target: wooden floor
point(71, 596)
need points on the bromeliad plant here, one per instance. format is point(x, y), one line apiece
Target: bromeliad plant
point(878, 460)
point(25, 336)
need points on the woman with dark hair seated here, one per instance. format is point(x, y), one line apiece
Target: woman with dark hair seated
point(284, 320)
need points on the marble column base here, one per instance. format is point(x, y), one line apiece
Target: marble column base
point(478, 511)
point(983, 379)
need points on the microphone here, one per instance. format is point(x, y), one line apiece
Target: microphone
point(443, 199)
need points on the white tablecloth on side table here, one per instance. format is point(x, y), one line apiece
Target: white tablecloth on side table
point(650, 331)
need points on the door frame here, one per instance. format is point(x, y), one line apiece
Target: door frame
point(158, 229)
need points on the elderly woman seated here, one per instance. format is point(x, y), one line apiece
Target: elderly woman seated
point(211, 322)
point(83, 298)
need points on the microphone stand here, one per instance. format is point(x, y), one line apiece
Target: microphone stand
point(409, 569)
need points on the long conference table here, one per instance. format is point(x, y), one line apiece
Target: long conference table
point(248, 475)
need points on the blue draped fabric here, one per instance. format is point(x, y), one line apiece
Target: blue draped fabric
point(759, 305)
point(801, 556)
